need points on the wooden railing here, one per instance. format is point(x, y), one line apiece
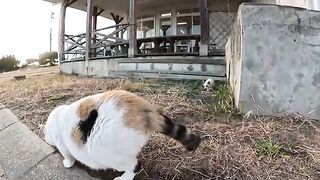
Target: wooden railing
point(112, 44)
point(115, 45)
point(102, 45)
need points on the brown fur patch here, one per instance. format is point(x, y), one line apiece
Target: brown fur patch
point(76, 136)
point(85, 107)
point(139, 113)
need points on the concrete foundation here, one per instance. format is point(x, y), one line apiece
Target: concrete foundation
point(273, 60)
point(151, 67)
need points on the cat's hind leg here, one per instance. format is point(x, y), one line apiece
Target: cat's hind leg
point(68, 158)
point(131, 170)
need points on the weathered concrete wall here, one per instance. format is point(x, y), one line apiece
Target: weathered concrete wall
point(152, 67)
point(278, 60)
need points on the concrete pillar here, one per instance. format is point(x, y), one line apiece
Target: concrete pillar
point(313, 5)
point(62, 19)
point(157, 23)
point(174, 22)
point(204, 23)
point(88, 33)
point(132, 29)
point(317, 5)
point(94, 27)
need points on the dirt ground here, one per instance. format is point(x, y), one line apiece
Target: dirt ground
point(232, 147)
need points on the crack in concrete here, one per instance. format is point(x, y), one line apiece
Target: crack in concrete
point(7, 126)
point(37, 163)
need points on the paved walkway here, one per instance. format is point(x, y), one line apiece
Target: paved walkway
point(23, 155)
point(31, 72)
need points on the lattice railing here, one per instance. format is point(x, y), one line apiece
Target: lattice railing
point(102, 44)
point(219, 30)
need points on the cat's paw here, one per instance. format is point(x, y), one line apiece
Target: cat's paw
point(117, 178)
point(68, 163)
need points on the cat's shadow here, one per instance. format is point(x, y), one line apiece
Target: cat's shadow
point(108, 174)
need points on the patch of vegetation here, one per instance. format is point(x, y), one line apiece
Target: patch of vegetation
point(8, 63)
point(133, 86)
point(224, 100)
point(194, 86)
point(268, 147)
point(58, 97)
point(48, 57)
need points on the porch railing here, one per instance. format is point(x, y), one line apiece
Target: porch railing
point(102, 44)
point(110, 45)
point(115, 44)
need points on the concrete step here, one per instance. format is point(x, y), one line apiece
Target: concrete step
point(23, 155)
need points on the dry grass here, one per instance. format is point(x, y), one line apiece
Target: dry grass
point(232, 147)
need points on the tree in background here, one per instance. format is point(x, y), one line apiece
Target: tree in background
point(48, 57)
point(8, 63)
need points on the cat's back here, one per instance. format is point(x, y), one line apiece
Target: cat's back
point(118, 105)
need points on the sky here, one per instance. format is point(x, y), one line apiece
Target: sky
point(25, 27)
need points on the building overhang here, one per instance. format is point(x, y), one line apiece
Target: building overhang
point(118, 7)
point(121, 7)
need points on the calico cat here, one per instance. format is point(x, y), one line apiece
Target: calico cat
point(108, 130)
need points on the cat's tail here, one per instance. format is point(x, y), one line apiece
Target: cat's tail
point(179, 133)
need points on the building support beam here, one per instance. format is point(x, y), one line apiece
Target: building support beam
point(132, 29)
point(101, 11)
point(62, 20)
point(70, 2)
point(173, 22)
point(88, 34)
point(157, 23)
point(204, 24)
point(117, 19)
point(94, 27)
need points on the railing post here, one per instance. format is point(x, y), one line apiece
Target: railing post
point(62, 19)
point(132, 29)
point(204, 23)
point(94, 26)
point(88, 34)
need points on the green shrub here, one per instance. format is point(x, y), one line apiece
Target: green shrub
point(8, 63)
point(224, 99)
point(268, 147)
point(48, 57)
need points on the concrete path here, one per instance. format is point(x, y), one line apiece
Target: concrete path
point(23, 155)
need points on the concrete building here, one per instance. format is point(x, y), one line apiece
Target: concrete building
point(181, 39)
